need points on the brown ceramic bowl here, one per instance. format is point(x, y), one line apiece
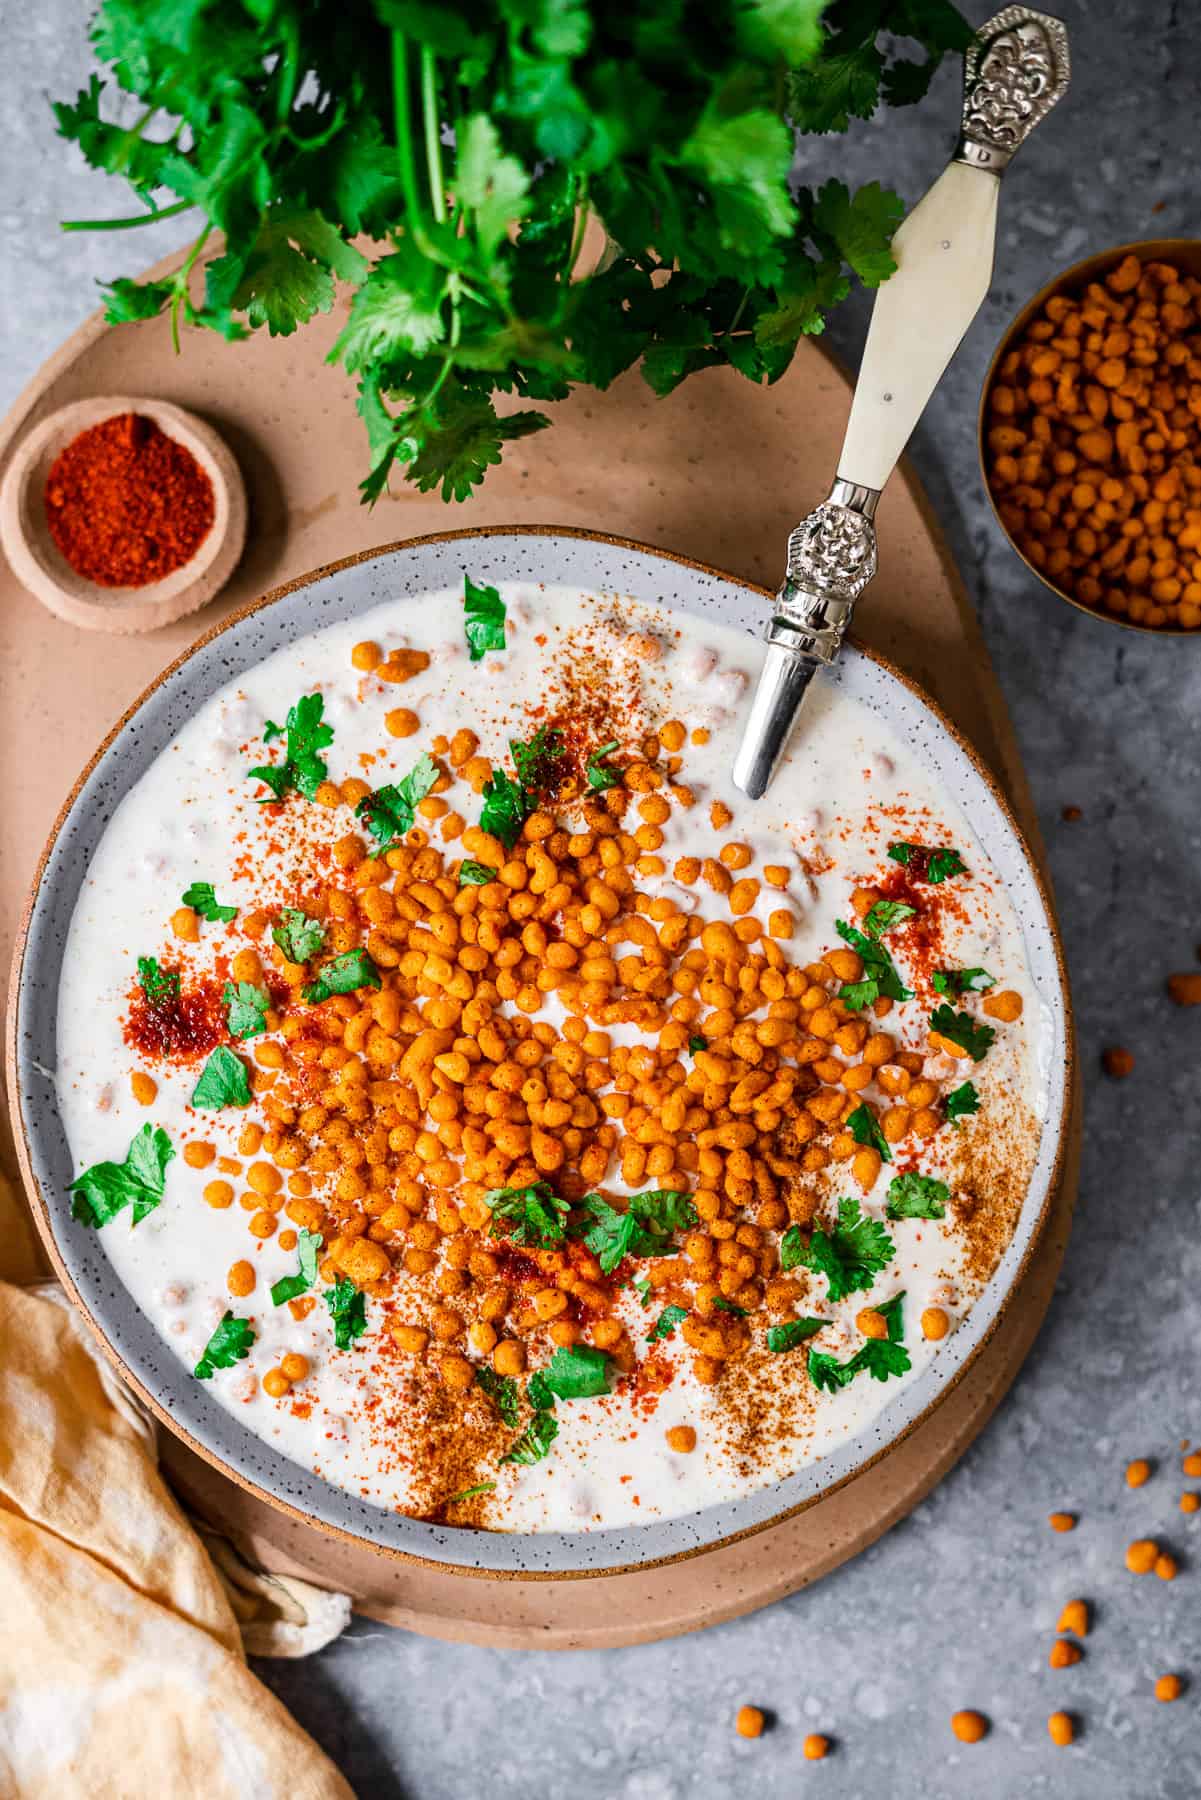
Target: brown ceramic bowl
point(1184, 251)
point(40, 566)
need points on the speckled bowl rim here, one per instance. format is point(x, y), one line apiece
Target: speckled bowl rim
point(609, 564)
point(1089, 268)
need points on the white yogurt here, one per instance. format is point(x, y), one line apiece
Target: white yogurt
point(848, 788)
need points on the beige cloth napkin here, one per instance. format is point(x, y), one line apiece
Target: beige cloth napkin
point(123, 1637)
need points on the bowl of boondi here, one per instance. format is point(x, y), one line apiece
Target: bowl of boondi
point(1090, 435)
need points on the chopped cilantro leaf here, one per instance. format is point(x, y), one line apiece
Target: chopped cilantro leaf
point(850, 1256)
point(475, 874)
point(534, 1215)
point(864, 1127)
point(644, 1229)
point(917, 1197)
point(535, 1442)
point(229, 1344)
point(886, 914)
point(728, 1306)
point(792, 1248)
point(597, 772)
point(271, 731)
point(391, 811)
point(665, 1324)
point(697, 1043)
point(963, 1101)
point(960, 1028)
point(469, 1493)
point(881, 1358)
point(248, 1007)
point(297, 936)
point(343, 975)
point(794, 1332)
point(505, 809)
point(963, 981)
point(503, 1392)
point(348, 1310)
point(223, 1081)
point(536, 761)
point(302, 768)
point(159, 985)
point(105, 1189)
point(879, 971)
point(643, 1289)
point(574, 1372)
point(290, 1287)
point(483, 619)
point(926, 864)
point(202, 898)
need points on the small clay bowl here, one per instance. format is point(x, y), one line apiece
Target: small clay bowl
point(1186, 254)
point(39, 565)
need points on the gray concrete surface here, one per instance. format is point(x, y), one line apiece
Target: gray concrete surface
point(956, 1607)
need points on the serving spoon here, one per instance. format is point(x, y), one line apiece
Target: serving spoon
point(1014, 72)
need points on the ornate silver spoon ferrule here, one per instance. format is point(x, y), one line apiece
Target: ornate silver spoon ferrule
point(1014, 72)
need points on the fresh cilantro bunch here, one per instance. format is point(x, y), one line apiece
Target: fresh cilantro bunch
point(442, 162)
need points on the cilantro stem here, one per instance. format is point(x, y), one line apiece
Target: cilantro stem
point(287, 68)
point(180, 283)
point(128, 224)
point(404, 146)
point(582, 215)
point(433, 143)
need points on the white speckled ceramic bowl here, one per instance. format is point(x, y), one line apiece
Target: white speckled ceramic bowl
point(410, 570)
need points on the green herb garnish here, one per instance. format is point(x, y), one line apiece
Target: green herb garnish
point(796, 1331)
point(574, 1372)
point(248, 1006)
point(223, 1081)
point(160, 986)
point(864, 1127)
point(105, 1189)
point(506, 808)
point(290, 1287)
point(881, 1358)
point(202, 898)
point(391, 811)
point(665, 1324)
point(963, 981)
point(483, 619)
point(533, 1215)
point(728, 1306)
point(469, 1493)
point(535, 1441)
point(536, 762)
point(963, 1101)
point(345, 974)
point(644, 1229)
point(475, 874)
point(597, 772)
point(298, 937)
point(886, 914)
point(697, 1043)
point(917, 1197)
point(642, 1287)
point(503, 1392)
point(879, 971)
point(850, 1256)
point(793, 1246)
point(926, 864)
point(228, 1345)
point(302, 768)
point(960, 1028)
point(348, 1309)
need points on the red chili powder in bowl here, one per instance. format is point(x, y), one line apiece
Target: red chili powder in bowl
point(127, 505)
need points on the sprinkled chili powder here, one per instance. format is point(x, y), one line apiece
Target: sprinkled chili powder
point(127, 505)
